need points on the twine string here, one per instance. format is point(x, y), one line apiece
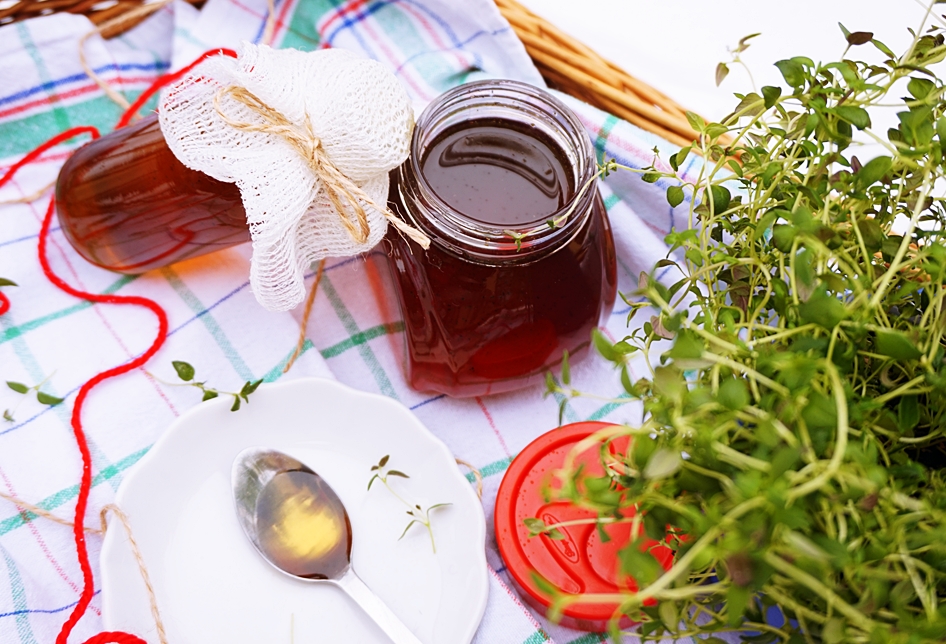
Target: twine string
point(113, 26)
point(30, 198)
point(149, 588)
point(476, 475)
point(348, 199)
point(310, 300)
point(269, 29)
point(309, 147)
point(26, 508)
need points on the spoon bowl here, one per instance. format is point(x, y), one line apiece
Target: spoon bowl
point(298, 524)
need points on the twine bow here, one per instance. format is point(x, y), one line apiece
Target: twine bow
point(342, 191)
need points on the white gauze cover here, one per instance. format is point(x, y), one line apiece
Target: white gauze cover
point(356, 108)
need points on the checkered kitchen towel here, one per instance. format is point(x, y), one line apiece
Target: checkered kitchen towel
point(215, 324)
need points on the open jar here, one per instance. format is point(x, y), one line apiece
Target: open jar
point(521, 267)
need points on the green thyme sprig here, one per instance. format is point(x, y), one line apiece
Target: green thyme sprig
point(414, 511)
point(792, 452)
point(722, 69)
point(604, 169)
point(565, 391)
point(41, 396)
point(186, 373)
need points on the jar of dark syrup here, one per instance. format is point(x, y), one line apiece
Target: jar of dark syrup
point(127, 204)
point(501, 293)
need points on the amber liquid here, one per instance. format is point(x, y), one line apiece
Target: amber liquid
point(473, 328)
point(127, 204)
point(303, 527)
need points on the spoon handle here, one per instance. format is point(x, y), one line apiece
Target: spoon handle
point(376, 609)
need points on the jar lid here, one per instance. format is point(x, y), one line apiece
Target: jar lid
point(580, 562)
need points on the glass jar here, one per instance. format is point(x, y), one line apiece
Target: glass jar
point(521, 267)
point(127, 204)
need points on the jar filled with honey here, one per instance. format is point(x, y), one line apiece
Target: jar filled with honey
point(501, 177)
point(127, 204)
point(521, 267)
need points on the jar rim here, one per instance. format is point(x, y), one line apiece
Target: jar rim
point(521, 102)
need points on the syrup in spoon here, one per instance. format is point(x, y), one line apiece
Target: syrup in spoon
point(303, 527)
point(300, 526)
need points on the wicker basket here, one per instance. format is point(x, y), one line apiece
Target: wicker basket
point(567, 64)
point(572, 67)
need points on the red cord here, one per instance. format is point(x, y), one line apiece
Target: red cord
point(115, 637)
point(32, 156)
point(85, 485)
point(56, 140)
point(164, 80)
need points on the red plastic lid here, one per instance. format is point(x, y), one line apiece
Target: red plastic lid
point(579, 563)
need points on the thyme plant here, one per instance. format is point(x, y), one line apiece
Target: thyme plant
point(381, 472)
point(185, 371)
point(792, 448)
point(41, 396)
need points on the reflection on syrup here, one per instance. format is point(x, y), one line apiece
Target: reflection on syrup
point(497, 173)
point(303, 527)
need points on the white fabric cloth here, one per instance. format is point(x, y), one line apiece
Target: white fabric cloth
point(356, 109)
point(355, 333)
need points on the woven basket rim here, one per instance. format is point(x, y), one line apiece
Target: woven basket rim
point(565, 63)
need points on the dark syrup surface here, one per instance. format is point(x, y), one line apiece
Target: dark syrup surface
point(475, 328)
point(498, 172)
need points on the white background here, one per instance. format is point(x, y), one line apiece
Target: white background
point(675, 45)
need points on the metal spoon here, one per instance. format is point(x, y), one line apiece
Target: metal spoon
point(300, 526)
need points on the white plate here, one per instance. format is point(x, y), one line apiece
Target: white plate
point(212, 586)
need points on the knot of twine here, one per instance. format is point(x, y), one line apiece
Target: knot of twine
point(342, 191)
point(26, 508)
